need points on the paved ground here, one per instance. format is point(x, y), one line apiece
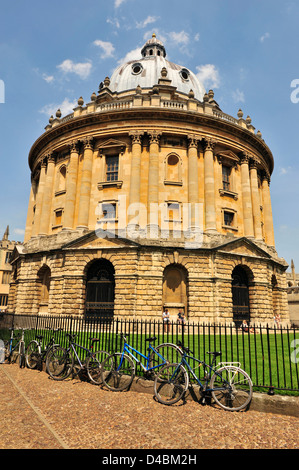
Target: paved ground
point(39, 413)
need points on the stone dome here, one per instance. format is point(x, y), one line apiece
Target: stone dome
point(146, 72)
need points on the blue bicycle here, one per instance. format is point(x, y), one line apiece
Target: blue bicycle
point(227, 383)
point(118, 369)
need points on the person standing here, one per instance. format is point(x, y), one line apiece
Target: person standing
point(166, 320)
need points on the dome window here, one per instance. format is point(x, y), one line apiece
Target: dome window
point(137, 68)
point(184, 73)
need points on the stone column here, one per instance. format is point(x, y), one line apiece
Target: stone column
point(193, 178)
point(30, 214)
point(246, 197)
point(209, 186)
point(255, 198)
point(39, 199)
point(134, 195)
point(47, 199)
point(267, 210)
point(153, 180)
point(71, 186)
point(85, 187)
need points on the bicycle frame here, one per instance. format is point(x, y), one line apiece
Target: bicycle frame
point(20, 340)
point(73, 348)
point(128, 349)
point(207, 378)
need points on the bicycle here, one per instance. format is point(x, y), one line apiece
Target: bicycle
point(229, 386)
point(35, 356)
point(20, 345)
point(118, 370)
point(60, 363)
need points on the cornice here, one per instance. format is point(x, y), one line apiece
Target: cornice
point(207, 124)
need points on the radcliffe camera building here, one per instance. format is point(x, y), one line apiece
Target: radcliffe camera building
point(150, 197)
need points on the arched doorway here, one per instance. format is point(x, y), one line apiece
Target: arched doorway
point(175, 290)
point(240, 293)
point(100, 286)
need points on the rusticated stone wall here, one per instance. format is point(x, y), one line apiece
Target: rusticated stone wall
point(139, 276)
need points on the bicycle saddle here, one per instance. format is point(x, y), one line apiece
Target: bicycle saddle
point(153, 338)
point(39, 337)
point(215, 353)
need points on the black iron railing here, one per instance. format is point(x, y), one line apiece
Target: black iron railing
point(270, 355)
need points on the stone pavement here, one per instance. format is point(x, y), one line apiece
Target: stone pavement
point(39, 413)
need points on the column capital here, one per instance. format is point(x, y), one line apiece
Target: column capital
point(154, 137)
point(193, 140)
point(88, 142)
point(74, 146)
point(136, 137)
point(266, 176)
point(209, 143)
point(51, 157)
point(244, 158)
point(253, 164)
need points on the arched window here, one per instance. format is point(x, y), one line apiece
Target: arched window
point(44, 278)
point(173, 170)
point(61, 180)
point(100, 286)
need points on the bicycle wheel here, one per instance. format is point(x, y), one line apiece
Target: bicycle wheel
point(171, 383)
point(33, 355)
point(59, 363)
point(118, 371)
point(94, 366)
point(170, 353)
point(22, 355)
point(234, 388)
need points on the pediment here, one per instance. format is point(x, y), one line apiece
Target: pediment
point(111, 143)
point(228, 155)
point(94, 239)
point(243, 246)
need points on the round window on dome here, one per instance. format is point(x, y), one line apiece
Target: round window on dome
point(137, 68)
point(185, 74)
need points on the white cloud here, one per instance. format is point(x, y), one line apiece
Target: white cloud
point(196, 37)
point(265, 36)
point(135, 54)
point(238, 96)
point(48, 78)
point(113, 22)
point(19, 231)
point(107, 48)
point(117, 3)
point(284, 171)
point(66, 107)
point(208, 75)
point(81, 69)
point(180, 38)
point(148, 20)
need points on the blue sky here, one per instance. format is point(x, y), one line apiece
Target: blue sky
point(51, 53)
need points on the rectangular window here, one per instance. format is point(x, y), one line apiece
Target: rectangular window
point(112, 168)
point(3, 300)
point(58, 217)
point(226, 177)
point(229, 218)
point(8, 257)
point(6, 277)
point(109, 210)
point(173, 211)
